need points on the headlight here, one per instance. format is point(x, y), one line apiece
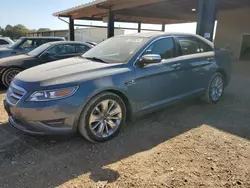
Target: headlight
point(50, 95)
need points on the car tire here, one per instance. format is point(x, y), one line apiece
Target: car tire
point(102, 117)
point(215, 89)
point(8, 75)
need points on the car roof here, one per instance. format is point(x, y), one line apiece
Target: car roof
point(43, 37)
point(67, 42)
point(155, 34)
point(159, 34)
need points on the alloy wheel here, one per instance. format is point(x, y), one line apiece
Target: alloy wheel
point(105, 118)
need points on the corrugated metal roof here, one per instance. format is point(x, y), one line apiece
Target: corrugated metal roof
point(64, 12)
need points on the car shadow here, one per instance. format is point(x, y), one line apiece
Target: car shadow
point(27, 161)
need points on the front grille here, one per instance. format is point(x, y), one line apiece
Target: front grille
point(14, 94)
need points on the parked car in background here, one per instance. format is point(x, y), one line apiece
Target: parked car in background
point(5, 42)
point(52, 51)
point(26, 44)
point(122, 77)
point(92, 43)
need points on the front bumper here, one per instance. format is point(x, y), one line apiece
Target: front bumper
point(48, 119)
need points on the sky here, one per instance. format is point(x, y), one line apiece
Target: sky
point(36, 14)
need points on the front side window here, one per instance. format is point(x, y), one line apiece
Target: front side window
point(28, 44)
point(62, 49)
point(163, 47)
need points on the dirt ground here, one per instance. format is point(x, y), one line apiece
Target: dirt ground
point(189, 145)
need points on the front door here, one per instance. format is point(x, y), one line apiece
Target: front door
point(155, 84)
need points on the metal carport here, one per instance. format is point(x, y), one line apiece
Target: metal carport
point(163, 12)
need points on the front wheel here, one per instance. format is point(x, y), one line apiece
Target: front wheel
point(215, 89)
point(8, 76)
point(102, 117)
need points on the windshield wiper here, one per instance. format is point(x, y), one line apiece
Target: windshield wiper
point(96, 59)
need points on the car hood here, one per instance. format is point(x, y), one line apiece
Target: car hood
point(72, 70)
point(13, 60)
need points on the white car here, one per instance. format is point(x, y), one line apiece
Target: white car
point(5, 42)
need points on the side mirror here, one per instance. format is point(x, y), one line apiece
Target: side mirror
point(149, 59)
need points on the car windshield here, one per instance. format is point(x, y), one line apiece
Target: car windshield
point(116, 50)
point(39, 50)
point(17, 43)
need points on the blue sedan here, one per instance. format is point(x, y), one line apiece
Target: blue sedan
point(120, 78)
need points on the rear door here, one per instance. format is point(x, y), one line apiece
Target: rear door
point(195, 57)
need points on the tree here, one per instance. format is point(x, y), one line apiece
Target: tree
point(19, 31)
point(15, 32)
point(8, 32)
point(1, 31)
point(43, 29)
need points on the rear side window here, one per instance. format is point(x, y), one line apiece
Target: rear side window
point(190, 45)
point(3, 42)
point(163, 47)
point(80, 48)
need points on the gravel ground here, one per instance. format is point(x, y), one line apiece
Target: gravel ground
point(188, 145)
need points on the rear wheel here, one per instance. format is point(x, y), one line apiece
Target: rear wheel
point(215, 89)
point(8, 75)
point(102, 118)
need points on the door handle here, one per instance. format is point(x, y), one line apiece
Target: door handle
point(210, 59)
point(176, 66)
point(13, 52)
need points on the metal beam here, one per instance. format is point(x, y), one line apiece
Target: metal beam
point(71, 29)
point(206, 17)
point(111, 23)
point(139, 27)
point(163, 27)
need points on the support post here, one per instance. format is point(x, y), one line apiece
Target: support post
point(111, 23)
point(206, 17)
point(71, 29)
point(139, 27)
point(163, 27)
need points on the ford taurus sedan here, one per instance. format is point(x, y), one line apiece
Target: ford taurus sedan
point(52, 51)
point(120, 78)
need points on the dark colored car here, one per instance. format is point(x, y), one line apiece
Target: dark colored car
point(52, 51)
point(122, 77)
point(26, 44)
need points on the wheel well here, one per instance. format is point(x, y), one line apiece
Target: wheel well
point(126, 101)
point(223, 73)
point(13, 67)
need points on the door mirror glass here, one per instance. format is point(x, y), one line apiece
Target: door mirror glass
point(149, 59)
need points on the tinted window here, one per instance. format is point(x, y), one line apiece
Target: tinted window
point(62, 49)
point(80, 48)
point(204, 47)
point(163, 47)
point(3, 42)
point(189, 46)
